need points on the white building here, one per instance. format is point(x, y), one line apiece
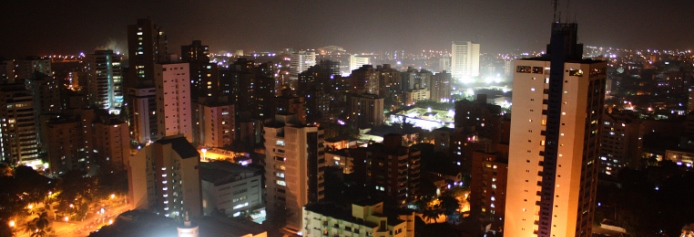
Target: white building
point(143, 114)
point(173, 100)
point(105, 80)
point(465, 60)
point(301, 61)
point(367, 219)
point(165, 177)
point(555, 138)
point(356, 61)
point(231, 188)
point(294, 167)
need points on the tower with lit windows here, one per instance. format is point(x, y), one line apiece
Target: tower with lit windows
point(465, 59)
point(555, 138)
point(105, 82)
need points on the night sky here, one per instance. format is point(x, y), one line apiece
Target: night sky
point(500, 26)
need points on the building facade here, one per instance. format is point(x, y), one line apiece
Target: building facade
point(367, 219)
point(18, 128)
point(465, 60)
point(173, 100)
point(105, 80)
point(555, 135)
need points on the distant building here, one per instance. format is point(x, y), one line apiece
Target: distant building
point(214, 124)
point(105, 80)
point(147, 46)
point(367, 219)
point(295, 163)
point(301, 61)
point(621, 144)
point(229, 188)
point(111, 143)
point(26, 68)
point(195, 52)
point(173, 100)
point(364, 80)
point(414, 96)
point(441, 87)
point(19, 131)
point(143, 114)
point(465, 60)
point(445, 63)
point(391, 168)
point(165, 177)
point(315, 85)
point(366, 110)
point(488, 187)
point(291, 105)
point(357, 61)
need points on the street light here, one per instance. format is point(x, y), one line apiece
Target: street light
point(12, 224)
point(66, 218)
point(113, 196)
point(204, 153)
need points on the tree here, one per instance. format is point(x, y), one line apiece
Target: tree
point(430, 214)
point(449, 205)
point(40, 226)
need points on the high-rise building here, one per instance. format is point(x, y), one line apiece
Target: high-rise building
point(441, 87)
point(111, 143)
point(622, 143)
point(105, 80)
point(69, 141)
point(147, 45)
point(465, 60)
point(488, 187)
point(390, 168)
point(300, 62)
point(26, 68)
point(165, 177)
point(556, 128)
point(195, 52)
point(357, 61)
point(174, 112)
point(143, 114)
point(295, 163)
point(366, 110)
point(214, 124)
point(364, 80)
point(445, 63)
point(315, 86)
point(249, 87)
point(19, 143)
point(8, 71)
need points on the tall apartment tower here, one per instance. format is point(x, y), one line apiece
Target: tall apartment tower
point(555, 135)
point(18, 134)
point(174, 113)
point(105, 81)
point(356, 61)
point(301, 61)
point(195, 52)
point(165, 177)
point(441, 87)
point(26, 68)
point(465, 59)
point(143, 114)
point(295, 163)
point(215, 124)
point(147, 45)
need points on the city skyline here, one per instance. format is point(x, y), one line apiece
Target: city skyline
point(357, 26)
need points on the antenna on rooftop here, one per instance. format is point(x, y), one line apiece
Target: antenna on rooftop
point(554, 17)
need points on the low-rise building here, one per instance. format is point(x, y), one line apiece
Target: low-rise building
point(367, 219)
point(229, 188)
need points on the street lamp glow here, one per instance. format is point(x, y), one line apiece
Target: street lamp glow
point(113, 196)
point(30, 206)
point(12, 224)
point(66, 219)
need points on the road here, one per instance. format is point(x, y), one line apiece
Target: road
point(91, 223)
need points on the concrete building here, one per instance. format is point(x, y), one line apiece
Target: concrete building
point(165, 177)
point(440, 87)
point(556, 127)
point(111, 143)
point(364, 80)
point(105, 80)
point(294, 167)
point(19, 143)
point(488, 187)
point(26, 68)
point(62, 147)
point(414, 96)
point(300, 62)
point(622, 143)
point(390, 168)
point(229, 188)
point(195, 52)
point(174, 112)
point(367, 218)
point(366, 110)
point(143, 114)
point(147, 45)
point(445, 63)
point(465, 60)
point(214, 125)
point(357, 61)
